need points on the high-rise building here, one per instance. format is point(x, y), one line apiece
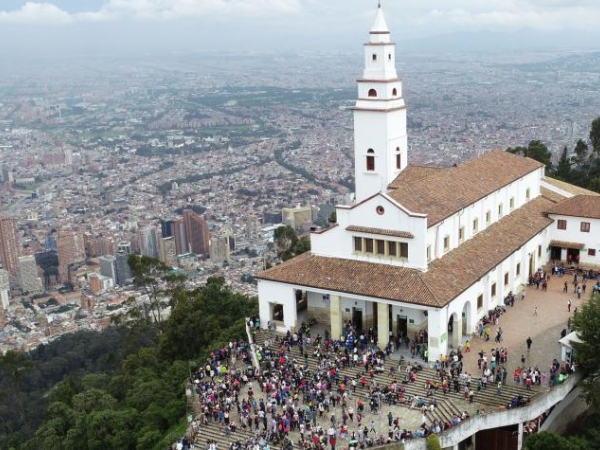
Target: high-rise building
point(252, 227)
point(148, 241)
point(197, 233)
point(166, 228)
point(297, 217)
point(123, 269)
point(4, 289)
point(124, 247)
point(9, 246)
point(108, 267)
point(7, 175)
point(71, 250)
point(99, 283)
point(4, 279)
point(167, 252)
point(29, 279)
point(180, 237)
point(219, 248)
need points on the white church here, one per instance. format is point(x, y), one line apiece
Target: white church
point(427, 248)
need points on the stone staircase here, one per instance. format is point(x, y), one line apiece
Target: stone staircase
point(448, 405)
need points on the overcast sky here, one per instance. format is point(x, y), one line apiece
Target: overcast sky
point(91, 26)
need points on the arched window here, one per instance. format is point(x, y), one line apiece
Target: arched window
point(374, 57)
point(398, 158)
point(394, 92)
point(370, 160)
point(372, 93)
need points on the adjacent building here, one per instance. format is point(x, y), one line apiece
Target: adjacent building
point(4, 289)
point(10, 248)
point(220, 248)
point(29, 279)
point(196, 230)
point(167, 252)
point(297, 218)
point(71, 251)
point(108, 267)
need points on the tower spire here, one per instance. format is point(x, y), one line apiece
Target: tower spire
point(380, 140)
point(380, 24)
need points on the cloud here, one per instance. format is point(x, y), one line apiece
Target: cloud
point(36, 13)
point(519, 15)
point(48, 13)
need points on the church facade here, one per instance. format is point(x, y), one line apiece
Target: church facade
point(425, 248)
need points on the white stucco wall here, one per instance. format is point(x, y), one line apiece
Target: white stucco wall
point(573, 233)
point(338, 242)
point(464, 218)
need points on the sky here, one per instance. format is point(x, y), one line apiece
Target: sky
point(154, 26)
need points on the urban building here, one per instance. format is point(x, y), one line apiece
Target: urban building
point(4, 288)
point(167, 252)
point(71, 250)
point(219, 248)
point(297, 218)
point(10, 248)
point(148, 241)
point(29, 279)
point(122, 268)
point(196, 230)
point(166, 228)
point(99, 283)
point(180, 237)
point(108, 267)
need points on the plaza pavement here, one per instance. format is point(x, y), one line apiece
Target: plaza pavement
point(519, 323)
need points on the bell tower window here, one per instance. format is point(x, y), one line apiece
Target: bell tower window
point(372, 93)
point(370, 160)
point(398, 158)
point(374, 57)
point(394, 92)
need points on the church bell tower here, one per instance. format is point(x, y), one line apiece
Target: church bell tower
point(380, 140)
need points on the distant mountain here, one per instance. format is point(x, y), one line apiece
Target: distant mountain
point(491, 42)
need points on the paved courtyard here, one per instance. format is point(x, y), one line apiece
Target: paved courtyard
point(520, 322)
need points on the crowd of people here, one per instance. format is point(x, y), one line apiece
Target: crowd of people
point(303, 396)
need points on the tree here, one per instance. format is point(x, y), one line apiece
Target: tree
point(587, 325)
point(333, 217)
point(535, 150)
point(581, 150)
point(288, 244)
point(563, 170)
point(155, 279)
point(546, 441)
point(433, 443)
point(595, 135)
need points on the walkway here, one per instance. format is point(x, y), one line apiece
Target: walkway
point(519, 323)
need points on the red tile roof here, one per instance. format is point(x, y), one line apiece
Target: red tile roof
point(445, 192)
point(446, 278)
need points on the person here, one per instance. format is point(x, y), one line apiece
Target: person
point(522, 360)
point(529, 342)
point(535, 311)
point(569, 303)
point(499, 390)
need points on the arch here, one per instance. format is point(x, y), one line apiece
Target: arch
point(370, 160)
point(394, 92)
point(398, 158)
point(372, 93)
